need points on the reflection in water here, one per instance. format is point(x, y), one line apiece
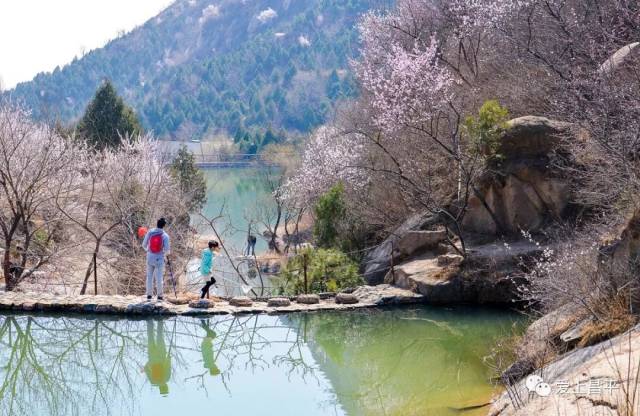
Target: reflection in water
point(407, 362)
point(236, 193)
point(158, 366)
point(208, 359)
point(394, 362)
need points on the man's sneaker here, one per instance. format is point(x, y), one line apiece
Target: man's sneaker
point(148, 298)
point(160, 299)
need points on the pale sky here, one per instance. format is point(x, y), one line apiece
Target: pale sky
point(37, 35)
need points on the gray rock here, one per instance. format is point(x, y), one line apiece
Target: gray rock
point(416, 241)
point(240, 301)
point(527, 192)
point(619, 58)
point(308, 299)
point(489, 275)
point(327, 295)
point(423, 275)
point(449, 260)
point(276, 302)
point(201, 304)
point(181, 300)
point(531, 136)
point(606, 361)
point(105, 309)
point(346, 298)
point(146, 308)
point(377, 262)
point(386, 295)
point(573, 335)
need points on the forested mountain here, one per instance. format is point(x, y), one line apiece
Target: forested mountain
point(207, 66)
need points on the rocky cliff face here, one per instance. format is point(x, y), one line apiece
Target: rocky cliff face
point(598, 380)
point(490, 274)
point(522, 192)
point(378, 261)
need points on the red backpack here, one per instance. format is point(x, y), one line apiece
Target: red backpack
point(156, 243)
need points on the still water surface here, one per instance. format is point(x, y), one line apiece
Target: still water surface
point(403, 361)
point(240, 195)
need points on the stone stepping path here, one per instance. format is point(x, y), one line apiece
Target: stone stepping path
point(366, 297)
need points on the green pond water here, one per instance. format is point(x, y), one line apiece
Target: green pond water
point(402, 361)
point(239, 195)
point(236, 197)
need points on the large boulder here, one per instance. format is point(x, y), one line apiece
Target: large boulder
point(623, 58)
point(439, 285)
point(542, 341)
point(417, 241)
point(524, 192)
point(586, 381)
point(490, 274)
point(531, 136)
point(386, 295)
point(618, 257)
point(378, 261)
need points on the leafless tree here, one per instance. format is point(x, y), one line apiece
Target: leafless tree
point(33, 161)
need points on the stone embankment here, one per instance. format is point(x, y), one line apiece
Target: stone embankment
point(362, 297)
point(602, 379)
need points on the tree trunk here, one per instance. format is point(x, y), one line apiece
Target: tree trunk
point(10, 283)
point(91, 268)
point(9, 279)
point(274, 234)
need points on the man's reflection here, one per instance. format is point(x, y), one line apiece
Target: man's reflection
point(158, 367)
point(208, 357)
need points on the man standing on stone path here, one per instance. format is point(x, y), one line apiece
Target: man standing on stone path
point(156, 244)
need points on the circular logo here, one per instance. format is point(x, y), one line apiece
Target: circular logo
point(543, 389)
point(532, 381)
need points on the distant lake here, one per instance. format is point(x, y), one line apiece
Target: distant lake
point(237, 193)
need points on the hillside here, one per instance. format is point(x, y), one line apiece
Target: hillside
point(207, 66)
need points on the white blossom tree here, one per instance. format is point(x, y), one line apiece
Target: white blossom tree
point(33, 160)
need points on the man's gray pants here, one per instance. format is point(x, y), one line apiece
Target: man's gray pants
point(155, 268)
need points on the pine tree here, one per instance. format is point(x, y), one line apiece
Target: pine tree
point(191, 179)
point(269, 137)
point(107, 119)
point(333, 85)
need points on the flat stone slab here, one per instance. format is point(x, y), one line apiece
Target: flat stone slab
point(278, 302)
point(346, 299)
point(368, 297)
point(241, 301)
point(201, 304)
point(308, 299)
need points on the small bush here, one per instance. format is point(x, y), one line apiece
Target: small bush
point(328, 211)
point(616, 318)
point(339, 226)
point(485, 130)
point(328, 270)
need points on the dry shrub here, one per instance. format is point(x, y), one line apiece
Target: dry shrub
point(592, 282)
point(616, 318)
point(503, 354)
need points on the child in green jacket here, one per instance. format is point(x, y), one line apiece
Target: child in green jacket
point(206, 266)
